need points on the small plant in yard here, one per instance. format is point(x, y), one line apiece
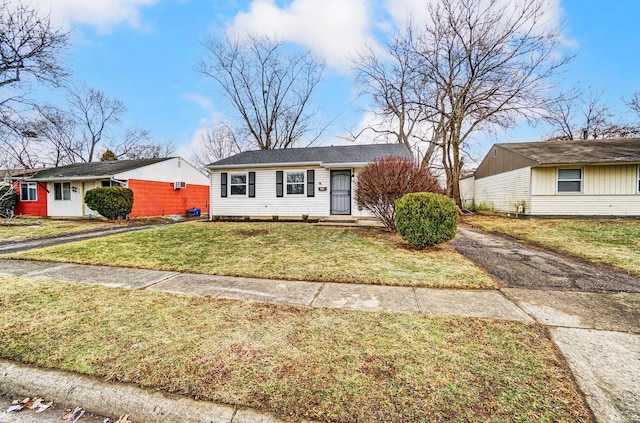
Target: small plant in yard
point(305, 217)
point(382, 182)
point(275, 217)
point(111, 202)
point(425, 219)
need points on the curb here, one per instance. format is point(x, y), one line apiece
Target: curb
point(115, 399)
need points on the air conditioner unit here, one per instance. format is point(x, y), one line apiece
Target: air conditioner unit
point(178, 185)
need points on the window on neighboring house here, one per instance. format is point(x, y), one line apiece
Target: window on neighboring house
point(295, 183)
point(238, 183)
point(570, 180)
point(109, 183)
point(29, 191)
point(62, 190)
point(638, 179)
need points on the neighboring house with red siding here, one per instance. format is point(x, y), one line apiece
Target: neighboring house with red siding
point(160, 187)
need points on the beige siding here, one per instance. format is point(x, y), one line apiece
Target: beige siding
point(586, 205)
point(543, 181)
point(610, 180)
point(501, 192)
point(607, 191)
point(266, 204)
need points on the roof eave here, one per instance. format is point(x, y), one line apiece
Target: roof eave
point(262, 165)
point(69, 178)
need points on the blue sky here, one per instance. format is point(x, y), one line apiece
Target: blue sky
point(144, 52)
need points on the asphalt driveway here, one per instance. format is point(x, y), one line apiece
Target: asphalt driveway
point(519, 265)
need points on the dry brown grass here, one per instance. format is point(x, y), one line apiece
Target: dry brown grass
point(329, 365)
point(25, 228)
point(294, 251)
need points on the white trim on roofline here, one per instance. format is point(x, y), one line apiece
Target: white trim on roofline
point(287, 164)
point(252, 165)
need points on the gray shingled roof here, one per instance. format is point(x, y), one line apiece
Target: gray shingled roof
point(321, 155)
point(93, 169)
point(625, 150)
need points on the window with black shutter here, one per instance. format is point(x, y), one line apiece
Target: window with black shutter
point(279, 188)
point(252, 184)
point(310, 183)
point(223, 184)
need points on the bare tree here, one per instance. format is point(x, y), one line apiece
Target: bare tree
point(394, 86)
point(488, 64)
point(574, 115)
point(268, 84)
point(87, 127)
point(94, 113)
point(30, 48)
point(634, 104)
point(215, 144)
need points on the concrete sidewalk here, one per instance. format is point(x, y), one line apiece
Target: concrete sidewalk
point(487, 304)
point(598, 333)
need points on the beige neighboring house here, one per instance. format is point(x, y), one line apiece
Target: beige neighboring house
point(558, 178)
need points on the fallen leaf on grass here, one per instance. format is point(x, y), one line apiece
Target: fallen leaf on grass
point(14, 408)
point(34, 404)
point(43, 407)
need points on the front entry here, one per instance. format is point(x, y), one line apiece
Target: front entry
point(341, 192)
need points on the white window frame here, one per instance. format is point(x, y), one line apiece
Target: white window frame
point(638, 180)
point(581, 180)
point(62, 191)
point(245, 184)
point(287, 183)
point(29, 185)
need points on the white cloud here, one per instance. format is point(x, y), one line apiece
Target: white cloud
point(102, 14)
point(203, 101)
point(333, 29)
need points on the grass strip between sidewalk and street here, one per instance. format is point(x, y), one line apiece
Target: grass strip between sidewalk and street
point(293, 251)
point(330, 365)
point(614, 242)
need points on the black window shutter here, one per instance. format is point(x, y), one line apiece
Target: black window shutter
point(252, 184)
point(223, 184)
point(311, 190)
point(279, 190)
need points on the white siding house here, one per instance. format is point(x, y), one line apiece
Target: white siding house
point(561, 178)
point(318, 182)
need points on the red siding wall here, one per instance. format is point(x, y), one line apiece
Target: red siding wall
point(159, 198)
point(33, 208)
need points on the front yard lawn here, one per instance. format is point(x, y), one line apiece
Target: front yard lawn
point(330, 365)
point(25, 228)
point(294, 251)
point(612, 242)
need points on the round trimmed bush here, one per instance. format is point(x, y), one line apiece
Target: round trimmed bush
point(425, 219)
point(110, 202)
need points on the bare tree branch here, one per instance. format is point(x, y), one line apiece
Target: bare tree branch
point(268, 85)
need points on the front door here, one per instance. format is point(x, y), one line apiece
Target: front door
point(341, 192)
